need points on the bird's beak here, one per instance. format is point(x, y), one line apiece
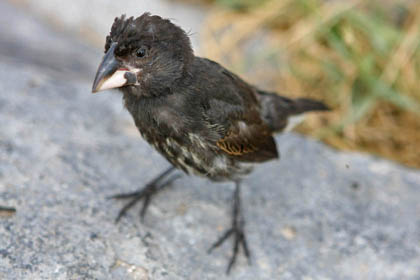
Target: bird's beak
point(110, 75)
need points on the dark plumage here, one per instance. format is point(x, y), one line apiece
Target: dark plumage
point(202, 118)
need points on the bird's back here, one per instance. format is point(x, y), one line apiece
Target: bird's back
point(274, 109)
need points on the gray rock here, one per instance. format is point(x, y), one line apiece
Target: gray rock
point(315, 214)
point(92, 19)
point(26, 42)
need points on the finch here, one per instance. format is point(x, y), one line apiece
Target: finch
point(201, 117)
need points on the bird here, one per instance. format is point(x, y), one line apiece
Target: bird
point(204, 119)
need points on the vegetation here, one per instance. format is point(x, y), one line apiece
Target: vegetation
point(361, 57)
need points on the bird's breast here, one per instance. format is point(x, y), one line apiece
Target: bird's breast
point(173, 136)
point(196, 157)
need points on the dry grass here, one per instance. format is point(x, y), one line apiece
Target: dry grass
point(361, 57)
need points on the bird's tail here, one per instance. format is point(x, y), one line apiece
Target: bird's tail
point(303, 105)
point(280, 112)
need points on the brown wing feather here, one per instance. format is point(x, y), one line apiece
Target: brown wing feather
point(234, 113)
point(236, 146)
point(249, 141)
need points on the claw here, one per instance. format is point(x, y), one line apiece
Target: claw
point(220, 240)
point(124, 195)
point(237, 230)
point(239, 240)
point(126, 207)
point(145, 206)
point(145, 194)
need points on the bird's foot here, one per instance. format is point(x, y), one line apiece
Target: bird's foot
point(145, 194)
point(237, 230)
point(239, 240)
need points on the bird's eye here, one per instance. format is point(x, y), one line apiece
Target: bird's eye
point(141, 52)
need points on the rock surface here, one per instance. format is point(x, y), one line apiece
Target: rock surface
point(315, 214)
point(91, 19)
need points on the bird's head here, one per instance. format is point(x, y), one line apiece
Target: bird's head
point(143, 56)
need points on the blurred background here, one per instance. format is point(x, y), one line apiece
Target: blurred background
point(361, 57)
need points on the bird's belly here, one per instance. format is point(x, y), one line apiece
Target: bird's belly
point(200, 160)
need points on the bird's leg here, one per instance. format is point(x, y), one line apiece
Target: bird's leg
point(146, 193)
point(237, 230)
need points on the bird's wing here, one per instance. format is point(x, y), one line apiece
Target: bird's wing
point(247, 141)
point(235, 115)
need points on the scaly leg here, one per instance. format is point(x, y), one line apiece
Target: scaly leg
point(237, 230)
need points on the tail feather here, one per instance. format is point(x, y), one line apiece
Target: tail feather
point(306, 104)
point(277, 109)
